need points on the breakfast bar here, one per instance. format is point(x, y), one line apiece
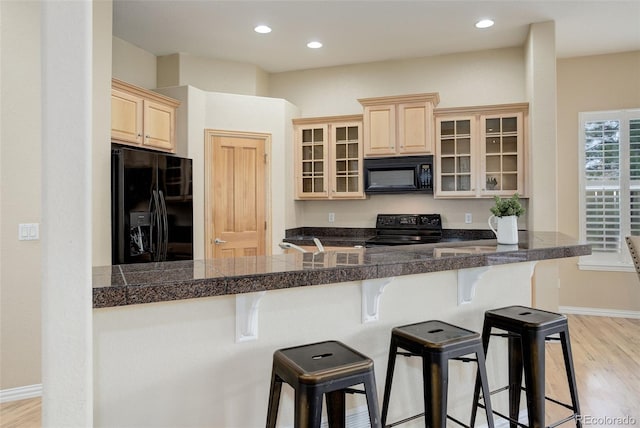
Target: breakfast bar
point(165, 281)
point(196, 338)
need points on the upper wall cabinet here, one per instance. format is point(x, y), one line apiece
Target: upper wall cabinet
point(399, 125)
point(480, 151)
point(142, 118)
point(328, 158)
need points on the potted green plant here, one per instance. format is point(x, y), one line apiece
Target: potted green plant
point(506, 213)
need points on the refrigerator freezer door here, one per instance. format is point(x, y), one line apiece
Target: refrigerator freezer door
point(161, 186)
point(134, 175)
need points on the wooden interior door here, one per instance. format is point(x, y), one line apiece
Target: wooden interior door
point(237, 187)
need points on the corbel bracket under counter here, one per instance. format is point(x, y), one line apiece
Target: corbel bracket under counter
point(371, 293)
point(247, 316)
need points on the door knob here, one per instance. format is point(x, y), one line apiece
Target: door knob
point(219, 241)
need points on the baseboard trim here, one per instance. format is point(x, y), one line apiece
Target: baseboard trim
point(578, 310)
point(20, 393)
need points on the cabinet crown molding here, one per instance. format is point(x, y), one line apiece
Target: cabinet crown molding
point(432, 97)
point(327, 119)
point(488, 109)
point(142, 92)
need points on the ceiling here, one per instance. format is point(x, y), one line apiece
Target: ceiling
point(367, 31)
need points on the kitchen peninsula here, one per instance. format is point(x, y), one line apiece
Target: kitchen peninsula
point(157, 282)
point(190, 343)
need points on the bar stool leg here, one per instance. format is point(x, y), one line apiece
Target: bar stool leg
point(274, 400)
point(571, 377)
point(482, 373)
point(515, 378)
point(372, 400)
point(486, 334)
point(307, 399)
point(336, 409)
point(393, 349)
point(533, 353)
point(436, 382)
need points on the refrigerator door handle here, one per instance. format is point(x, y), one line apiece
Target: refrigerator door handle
point(156, 218)
point(165, 227)
point(152, 223)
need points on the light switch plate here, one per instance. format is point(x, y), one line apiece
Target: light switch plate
point(28, 231)
point(468, 218)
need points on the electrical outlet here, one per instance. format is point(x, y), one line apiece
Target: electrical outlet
point(468, 218)
point(28, 231)
point(332, 217)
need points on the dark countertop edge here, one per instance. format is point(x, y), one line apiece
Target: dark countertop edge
point(416, 263)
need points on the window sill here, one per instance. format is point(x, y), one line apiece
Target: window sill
point(605, 265)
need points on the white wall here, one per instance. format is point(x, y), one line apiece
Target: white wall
point(177, 364)
point(202, 110)
point(20, 181)
point(101, 150)
point(593, 83)
point(474, 78)
point(212, 75)
point(133, 65)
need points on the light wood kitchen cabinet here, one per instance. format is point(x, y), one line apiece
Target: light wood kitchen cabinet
point(328, 157)
point(399, 125)
point(142, 118)
point(480, 151)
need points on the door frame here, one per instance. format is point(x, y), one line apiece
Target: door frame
point(209, 199)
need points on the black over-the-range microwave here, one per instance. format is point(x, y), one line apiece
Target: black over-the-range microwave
point(399, 174)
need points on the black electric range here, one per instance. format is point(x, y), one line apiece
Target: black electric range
point(406, 229)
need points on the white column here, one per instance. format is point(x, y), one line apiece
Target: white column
point(66, 214)
point(543, 152)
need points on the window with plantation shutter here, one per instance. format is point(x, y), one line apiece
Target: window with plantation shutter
point(610, 186)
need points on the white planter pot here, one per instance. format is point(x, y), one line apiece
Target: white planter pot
point(506, 229)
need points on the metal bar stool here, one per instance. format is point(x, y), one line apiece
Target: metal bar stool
point(527, 330)
point(436, 342)
point(313, 370)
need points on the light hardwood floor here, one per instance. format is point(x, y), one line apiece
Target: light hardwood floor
point(606, 355)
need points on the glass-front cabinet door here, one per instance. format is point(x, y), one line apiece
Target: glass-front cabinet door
point(347, 160)
point(312, 154)
point(502, 153)
point(455, 155)
point(480, 151)
point(329, 157)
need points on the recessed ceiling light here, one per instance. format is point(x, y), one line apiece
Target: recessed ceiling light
point(262, 29)
point(484, 23)
point(314, 45)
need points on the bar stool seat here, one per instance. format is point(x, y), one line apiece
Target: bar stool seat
point(527, 330)
point(316, 369)
point(436, 342)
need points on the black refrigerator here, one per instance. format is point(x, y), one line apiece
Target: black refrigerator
point(151, 206)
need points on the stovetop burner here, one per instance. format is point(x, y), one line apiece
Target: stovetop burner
point(406, 229)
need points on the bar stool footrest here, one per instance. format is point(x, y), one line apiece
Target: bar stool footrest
point(411, 418)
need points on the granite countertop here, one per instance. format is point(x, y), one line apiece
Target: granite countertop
point(158, 282)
